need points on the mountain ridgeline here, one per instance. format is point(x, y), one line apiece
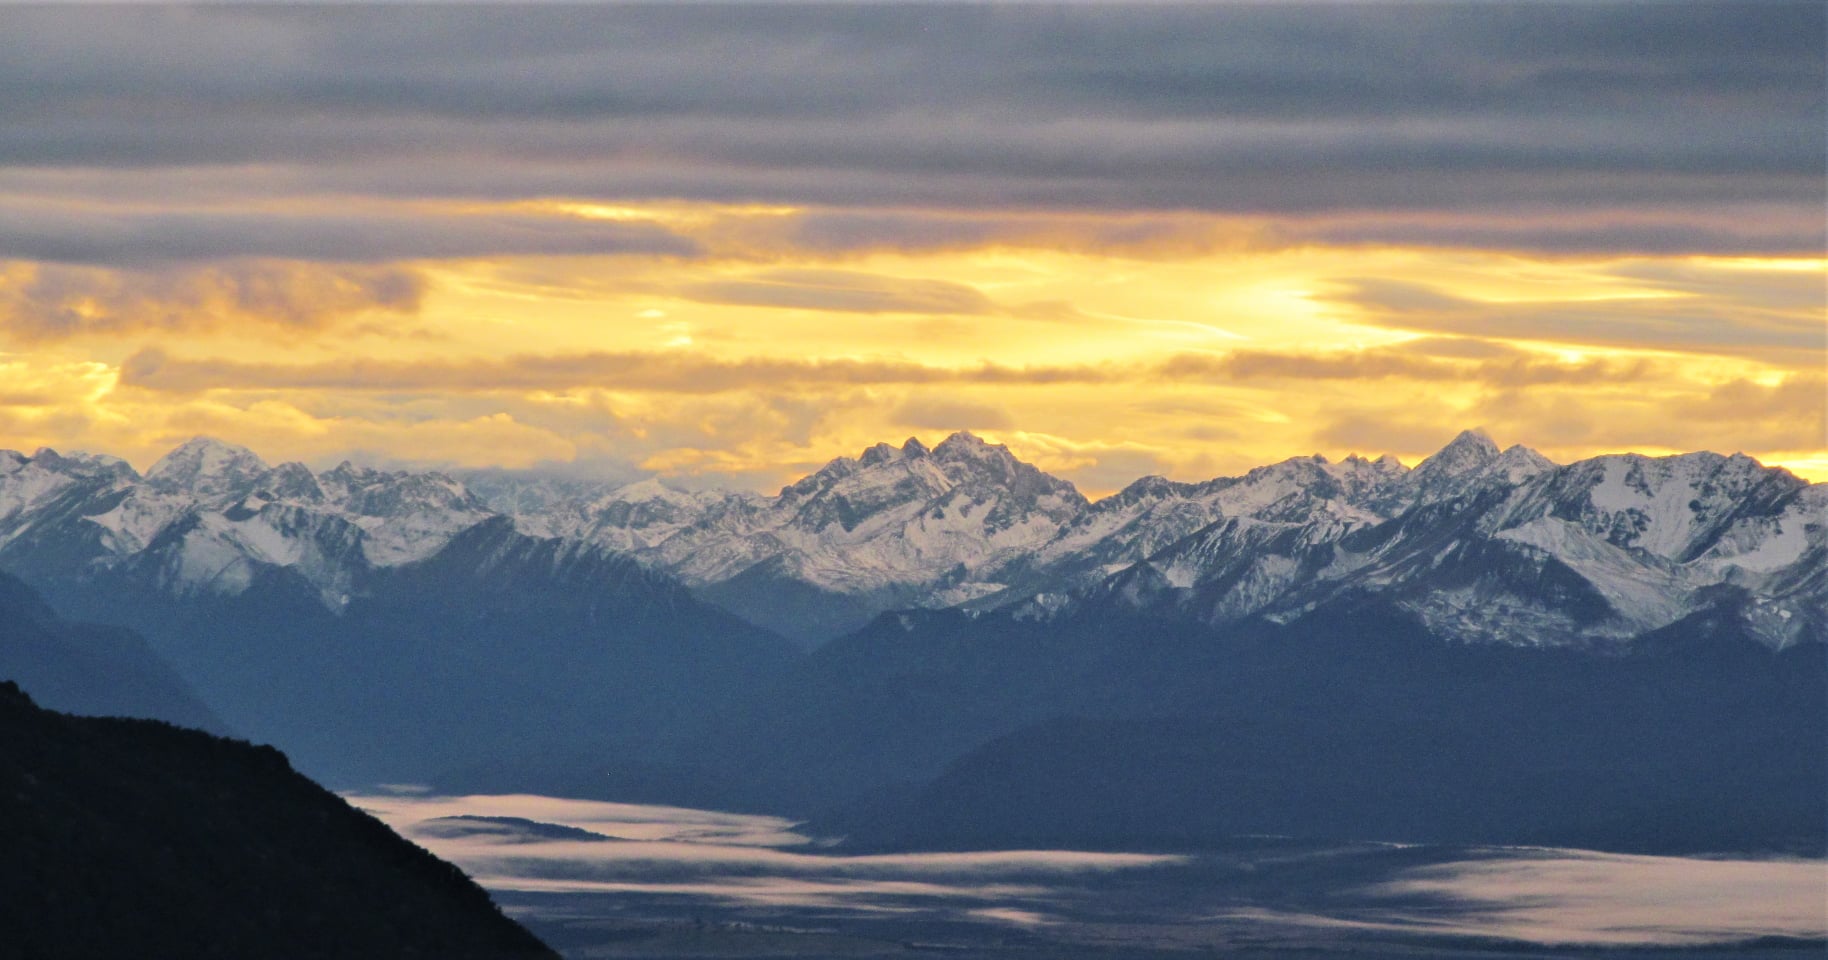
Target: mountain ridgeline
point(904, 643)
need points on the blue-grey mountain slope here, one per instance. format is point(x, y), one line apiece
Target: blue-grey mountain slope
point(89, 668)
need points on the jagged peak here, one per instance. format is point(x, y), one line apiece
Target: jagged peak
point(78, 462)
point(355, 474)
point(1694, 465)
point(1517, 453)
point(914, 448)
point(1308, 465)
point(880, 453)
point(349, 469)
point(1384, 465)
point(965, 445)
point(1152, 487)
point(207, 447)
point(834, 470)
point(642, 491)
point(1470, 450)
point(292, 480)
point(49, 455)
point(203, 459)
point(1473, 439)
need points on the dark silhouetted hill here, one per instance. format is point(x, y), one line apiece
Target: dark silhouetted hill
point(134, 838)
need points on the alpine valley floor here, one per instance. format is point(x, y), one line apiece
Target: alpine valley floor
point(619, 880)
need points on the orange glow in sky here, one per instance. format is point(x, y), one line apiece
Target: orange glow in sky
point(561, 242)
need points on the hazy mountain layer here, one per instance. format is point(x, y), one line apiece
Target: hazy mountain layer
point(88, 668)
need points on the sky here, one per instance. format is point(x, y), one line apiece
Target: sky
point(723, 244)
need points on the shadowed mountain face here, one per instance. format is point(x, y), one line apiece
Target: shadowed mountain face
point(1358, 724)
point(380, 626)
point(936, 729)
point(498, 647)
point(132, 838)
point(90, 669)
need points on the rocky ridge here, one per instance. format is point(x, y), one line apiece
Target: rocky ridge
point(1484, 544)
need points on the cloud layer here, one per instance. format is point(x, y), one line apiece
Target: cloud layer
point(727, 242)
point(1694, 110)
point(649, 863)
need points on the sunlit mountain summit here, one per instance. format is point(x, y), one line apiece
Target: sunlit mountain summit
point(1483, 543)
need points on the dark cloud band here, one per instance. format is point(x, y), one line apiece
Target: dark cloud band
point(132, 237)
point(1270, 110)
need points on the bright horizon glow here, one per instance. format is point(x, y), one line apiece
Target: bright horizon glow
point(634, 241)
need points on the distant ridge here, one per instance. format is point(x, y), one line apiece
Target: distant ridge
point(88, 668)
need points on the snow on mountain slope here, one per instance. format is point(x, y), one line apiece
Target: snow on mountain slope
point(208, 471)
point(1482, 543)
point(1155, 517)
point(1505, 546)
point(895, 518)
point(405, 516)
point(49, 483)
point(209, 516)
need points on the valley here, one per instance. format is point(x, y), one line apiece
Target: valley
point(643, 881)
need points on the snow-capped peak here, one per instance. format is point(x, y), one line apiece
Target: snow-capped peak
point(966, 522)
point(880, 453)
point(646, 491)
point(1447, 473)
point(207, 468)
point(292, 481)
point(965, 445)
point(1470, 450)
point(1518, 463)
point(77, 463)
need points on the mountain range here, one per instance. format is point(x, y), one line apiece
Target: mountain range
point(879, 643)
point(1483, 544)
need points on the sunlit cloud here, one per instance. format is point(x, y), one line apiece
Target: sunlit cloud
point(938, 413)
point(729, 245)
point(1653, 321)
point(672, 373)
point(842, 292)
point(50, 302)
